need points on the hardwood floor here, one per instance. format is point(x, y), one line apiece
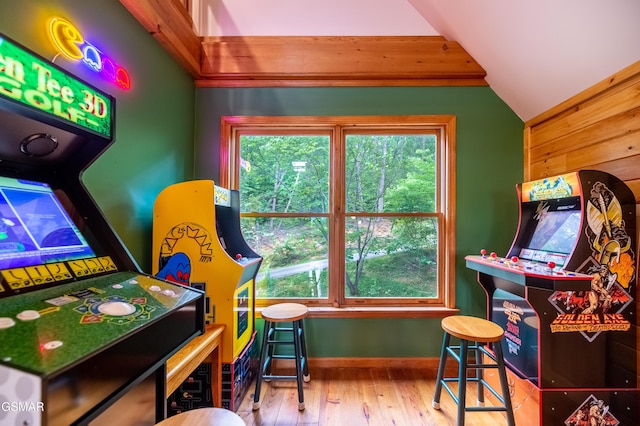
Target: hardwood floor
point(360, 396)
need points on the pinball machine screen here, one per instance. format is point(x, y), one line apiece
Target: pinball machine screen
point(34, 227)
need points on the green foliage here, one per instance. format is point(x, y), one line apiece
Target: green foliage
point(298, 285)
point(394, 173)
point(406, 274)
point(289, 252)
point(276, 183)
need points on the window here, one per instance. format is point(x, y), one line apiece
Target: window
point(347, 211)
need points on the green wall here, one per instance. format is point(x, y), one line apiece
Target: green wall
point(153, 144)
point(489, 164)
point(154, 147)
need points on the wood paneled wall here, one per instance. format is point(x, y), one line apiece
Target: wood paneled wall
point(597, 129)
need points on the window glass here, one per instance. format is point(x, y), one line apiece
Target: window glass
point(285, 178)
point(284, 173)
point(391, 257)
point(295, 255)
point(391, 173)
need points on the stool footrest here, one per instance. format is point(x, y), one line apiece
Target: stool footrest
point(494, 392)
point(278, 377)
point(445, 384)
point(279, 356)
point(486, 408)
point(454, 351)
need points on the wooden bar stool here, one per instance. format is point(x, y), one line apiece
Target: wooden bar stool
point(204, 417)
point(273, 315)
point(475, 331)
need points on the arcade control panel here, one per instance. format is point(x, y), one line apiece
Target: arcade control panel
point(91, 338)
point(69, 322)
point(242, 260)
point(529, 273)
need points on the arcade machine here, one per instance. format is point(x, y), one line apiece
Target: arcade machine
point(564, 294)
point(197, 241)
point(80, 325)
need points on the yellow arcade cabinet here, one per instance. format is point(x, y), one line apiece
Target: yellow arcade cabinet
point(197, 241)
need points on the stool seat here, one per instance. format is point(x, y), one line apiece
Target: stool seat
point(204, 417)
point(285, 312)
point(272, 337)
point(472, 328)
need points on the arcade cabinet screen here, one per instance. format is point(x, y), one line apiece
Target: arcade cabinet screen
point(34, 227)
point(555, 233)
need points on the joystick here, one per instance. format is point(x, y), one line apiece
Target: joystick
point(483, 252)
point(551, 265)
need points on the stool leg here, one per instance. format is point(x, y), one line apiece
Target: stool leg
point(298, 355)
point(261, 366)
point(462, 381)
point(506, 395)
point(443, 361)
point(305, 365)
point(271, 335)
point(479, 375)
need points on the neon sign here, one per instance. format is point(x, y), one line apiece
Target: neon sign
point(30, 80)
point(72, 45)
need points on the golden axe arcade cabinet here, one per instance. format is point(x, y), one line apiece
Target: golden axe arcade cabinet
point(197, 240)
point(565, 295)
point(80, 325)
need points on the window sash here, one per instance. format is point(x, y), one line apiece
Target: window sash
point(337, 128)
